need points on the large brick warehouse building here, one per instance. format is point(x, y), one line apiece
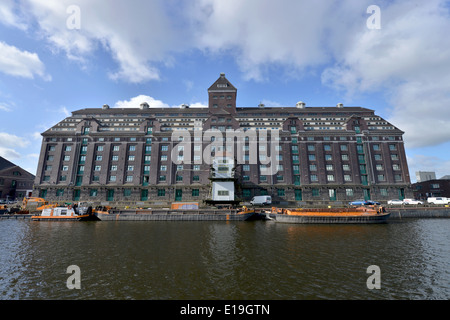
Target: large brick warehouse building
point(154, 156)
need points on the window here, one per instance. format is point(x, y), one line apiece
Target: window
point(130, 168)
point(384, 192)
point(312, 167)
point(329, 167)
point(51, 148)
point(129, 178)
point(280, 192)
point(196, 167)
point(98, 158)
point(349, 192)
point(113, 168)
point(344, 147)
point(246, 167)
point(131, 158)
point(330, 177)
point(314, 178)
point(315, 192)
point(346, 167)
point(65, 168)
point(376, 147)
point(344, 157)
point(311, 147)
point(112, 178)
point(195, 192)
point(246, 178)
point(396, 167)
point(381, 177)
point(62, 178)
point(68, 148)
point(132, 148)
point(116, 148)
point(161, 192)
point(347, 177)
point(377, 157)
point(93, 192)
point(327, 147)
point(48, 168)
point(164, 148)
point(392, 147)
point(196, 178)
point(379, 167)
point(66, 158)
point(163, 158)
point(163, 168)
point(223, 192)
point(99, 148)
point(162, 178)
point(312, 157)
point(97, 168)
point(59, 192)
point(115, 158)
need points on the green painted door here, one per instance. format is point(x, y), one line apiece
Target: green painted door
point(76, 195)
point(110, 195)
point(178, 194)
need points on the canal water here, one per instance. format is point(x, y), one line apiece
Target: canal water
point(224, 260)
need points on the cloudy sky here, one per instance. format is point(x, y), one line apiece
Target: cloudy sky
point(57, 56)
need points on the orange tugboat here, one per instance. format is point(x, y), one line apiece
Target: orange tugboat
point(368, 214)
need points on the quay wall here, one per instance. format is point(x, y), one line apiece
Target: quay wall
point(217, 215)
point(419, 212)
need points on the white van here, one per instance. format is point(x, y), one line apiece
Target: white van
point(438, 200)
point(261, 200)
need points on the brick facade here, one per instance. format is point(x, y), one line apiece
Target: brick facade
point(124, 156)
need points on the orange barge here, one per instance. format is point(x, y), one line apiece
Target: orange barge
point(366, 214)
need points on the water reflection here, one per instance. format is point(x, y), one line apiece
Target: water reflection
point(224, 260)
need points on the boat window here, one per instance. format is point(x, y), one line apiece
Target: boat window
point(64, 212)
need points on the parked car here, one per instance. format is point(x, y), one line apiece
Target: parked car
point(395, 202)
point(412, 201)
point(261, 200)
point(438, 200)
point(358, 203)
point(371, 202)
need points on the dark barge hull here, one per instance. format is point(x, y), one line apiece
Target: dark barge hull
point(185, 216)
point(363, 219)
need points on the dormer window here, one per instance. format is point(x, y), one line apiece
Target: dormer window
point(222, 85)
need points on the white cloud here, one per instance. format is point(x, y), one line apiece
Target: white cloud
point(409, 60)
point(136, 34)
point(9, 16)
point(135, 102)
point(19, 63)
point(5, 106)
point(422, 162)
point(8, 145)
